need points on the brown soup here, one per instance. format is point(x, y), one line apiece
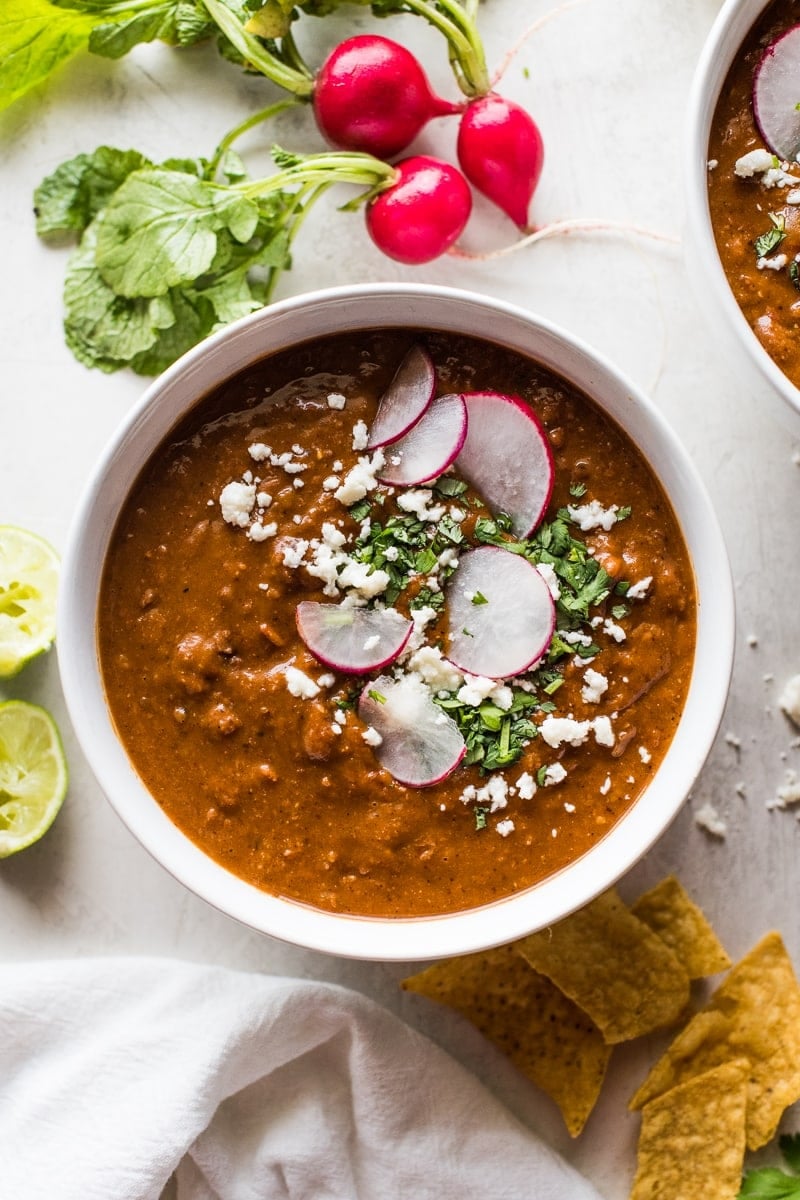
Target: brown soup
point(765, 285)
point(256, 751)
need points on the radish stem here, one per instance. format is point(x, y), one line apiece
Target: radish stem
point(292, 79)
point(264, 114)
point(564, 228)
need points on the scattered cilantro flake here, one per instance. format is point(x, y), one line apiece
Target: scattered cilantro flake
point(479, 598)
point(794, 273)
point(765, 243)
point(495, 737)
point(624, 512)
point(541, 775)
point(618, 611)
point(621, 588)
point(467, 633)
point(378, 697)
point(480, 816)
point(360, 510)
point(577, 490)
point(447, 485)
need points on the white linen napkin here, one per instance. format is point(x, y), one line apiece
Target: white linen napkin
point(115, 1073)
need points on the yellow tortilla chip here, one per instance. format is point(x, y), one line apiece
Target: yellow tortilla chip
point(754, 1014)
point(613, 967)
point(677, 920)
point(691, 1143)
point(528, 1019)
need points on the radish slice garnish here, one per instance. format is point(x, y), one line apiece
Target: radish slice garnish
point(420, 744)
point(776, 93)
point(430, 446)
point(405, 400)
point(352, 640)
point(500, 614)
point(507, 457)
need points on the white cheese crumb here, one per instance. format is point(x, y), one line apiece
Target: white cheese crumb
point(526, 786)
point(603, 732)
point(593, 515)
point(293, 468)
point(712, 164)
point(557, 730)
point(358, 575)
point(360, 435)
point(613, 630)
point(391, 553)
point(259, 452)
point(336, 400)
point(337, 466)
point(439, 674)
point(418, 502)
point(754, 163)
point(789, 699)
point(637, 591)
point(644, 755)
point(752, 640)
point(708, 818)
point(340, 716)
point(360, 479)
point(236, 501)
point(298, 483)
point(605, 786)
point(293, 551)
point(458, 515)
point(574, 638)
point(263, 499)
point(732, 740)
point(475, 690)
point(554, 774)
point(504, 828)
point(331, 482)
point(551, 579)
point(326, 681)
point(260, 533)
point(371, 736)
point(336, 728)
point(300, 684)
point(776, 263)
point(788, 794)
point(595, 686)
point(570, 808)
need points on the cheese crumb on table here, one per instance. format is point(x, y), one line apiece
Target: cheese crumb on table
point(789, 699)
point(708, 818)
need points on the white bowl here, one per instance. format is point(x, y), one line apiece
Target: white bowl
point(334, 311)
point(733, 23)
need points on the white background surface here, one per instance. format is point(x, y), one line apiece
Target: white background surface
point(607, 84)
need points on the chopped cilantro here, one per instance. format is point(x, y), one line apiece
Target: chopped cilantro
point(794, 273)
point(446, 485)
point(467, 633)
point(480, 816)
point(378, 697)
point(479, 598)
point(360, 510)
point(624, 512)
point(495, 736)
point(621, 588)
point(765, 243)
point(427, 598)
point(541, 775)
point(577, 490)
point(771, 1183)
point(618, 611)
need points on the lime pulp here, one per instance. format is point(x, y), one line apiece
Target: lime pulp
point(28, 586)
point(33, 774)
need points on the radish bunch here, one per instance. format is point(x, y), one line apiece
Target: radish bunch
point(371, 94)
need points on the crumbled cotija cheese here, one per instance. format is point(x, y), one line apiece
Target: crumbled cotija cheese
point(593, 515)
point(300, 684)
point(418, 502)
point(554, 774)
point(754, 163)
point(551, 579)
point(371, 736)
point(360, 479)
point(709, 819)
point(504, 828)
point(236, 502)
point(360, 435)
point(637, 591)
point(526, 786)
point(336, 400)
point(595, 686)
point(789, 699)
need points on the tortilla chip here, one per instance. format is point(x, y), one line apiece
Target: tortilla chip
point(754, 1014)
point(691, 1143)
point(613, 967)
point(677, 920)
point(529, 1020)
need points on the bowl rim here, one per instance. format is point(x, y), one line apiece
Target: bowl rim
point(397, 938)
point(731, 26)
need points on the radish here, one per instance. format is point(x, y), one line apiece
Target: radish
point(405, 400)
point(501, 152)
point(775, 95)
point(420, 744)
point(352, 640)
point(429, 447)
point(419, 215)
point(507, 457)
point(371, 94)
point(500, 614)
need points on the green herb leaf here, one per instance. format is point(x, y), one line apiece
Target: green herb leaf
point(495, 737)
point(448, 485)
point(577, 490)
point(479, 598)
point(69, 199)
point(376, 696)
point(480, 816)
point(768, 1183)
point(794, 273)
point(765, 243)
point(790, 1149)
point(35, 39)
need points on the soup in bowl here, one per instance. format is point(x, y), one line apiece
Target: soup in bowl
point(743, 188)
point(395, 623)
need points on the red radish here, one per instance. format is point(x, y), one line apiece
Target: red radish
point(420, 744)
point(405, 400)
point(419, 216)
point(775, 95)
point(501, 152)
point(500, 613)
point(507, 457)
point(352, 640)
point(429, 447)
point(371, 94)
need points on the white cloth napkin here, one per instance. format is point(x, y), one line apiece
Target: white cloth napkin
point(115, 1073)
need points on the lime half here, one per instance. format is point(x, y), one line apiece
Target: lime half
point(28, 586)
point(33, 774)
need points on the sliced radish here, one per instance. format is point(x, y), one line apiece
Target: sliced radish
point(420, 744)
point(500, 614)
point(352, 640)
point(430, 446)
point(405, 400)
point(776, 93)
point(507, 457)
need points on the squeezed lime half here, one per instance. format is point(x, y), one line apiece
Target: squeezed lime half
point(33, 774)
point(28, 587)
